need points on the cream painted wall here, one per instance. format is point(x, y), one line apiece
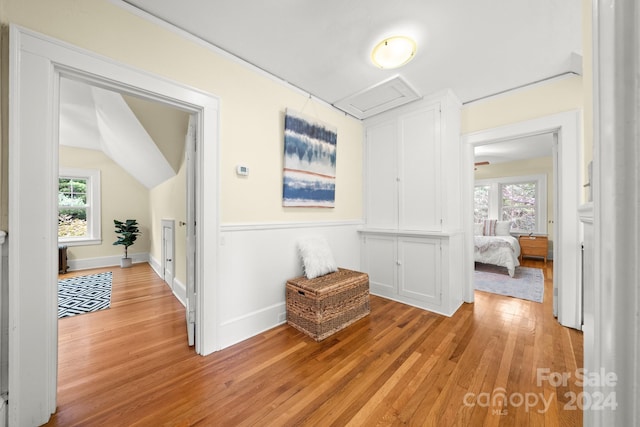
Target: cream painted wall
point(168, 201)
point(252, 104)
point(122, 197)
point(538, 166)
point(554, 96)
point(166, 125)
point(543, 99)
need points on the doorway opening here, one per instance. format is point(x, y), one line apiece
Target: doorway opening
point(38, 64)
point(567, 173)
point(515, 181)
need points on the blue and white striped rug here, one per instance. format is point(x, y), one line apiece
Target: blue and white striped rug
point(84, 294)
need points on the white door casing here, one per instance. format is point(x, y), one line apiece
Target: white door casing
point(36, 64)
point(191, 302)
point(567, 245)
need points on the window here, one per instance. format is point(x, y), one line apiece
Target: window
point(481, 203)
point(518, 205)
point(79, 207)
point(521, 200)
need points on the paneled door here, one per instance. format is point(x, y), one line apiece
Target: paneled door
point(168, 249)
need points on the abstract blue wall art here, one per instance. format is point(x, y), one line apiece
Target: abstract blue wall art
point(309, 162)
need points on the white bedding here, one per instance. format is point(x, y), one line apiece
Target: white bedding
point(497, 250)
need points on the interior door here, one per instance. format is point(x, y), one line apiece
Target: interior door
point(190, 312)
point(168, 262)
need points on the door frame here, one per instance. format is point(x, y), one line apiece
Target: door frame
point(567, 237)
point(170, 224)
point(36, 63)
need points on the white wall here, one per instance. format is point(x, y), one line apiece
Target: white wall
point(256, 262)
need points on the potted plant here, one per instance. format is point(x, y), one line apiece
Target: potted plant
point(127, 234)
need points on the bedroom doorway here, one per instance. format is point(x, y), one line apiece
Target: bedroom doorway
point(38, 62)
point(515, 183)
point(567, 190)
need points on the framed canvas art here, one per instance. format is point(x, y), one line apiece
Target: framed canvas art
point(309, 162)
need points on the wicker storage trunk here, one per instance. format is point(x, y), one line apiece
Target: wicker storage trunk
point(322, 306)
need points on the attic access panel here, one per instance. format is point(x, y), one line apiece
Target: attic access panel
point(378, 98)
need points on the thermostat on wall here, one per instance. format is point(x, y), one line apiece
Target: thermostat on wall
point(242, 170)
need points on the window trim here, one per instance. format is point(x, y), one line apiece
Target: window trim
point(94, 211)
point(495, 198)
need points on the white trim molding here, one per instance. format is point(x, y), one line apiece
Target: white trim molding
point(285, 225)
point(92, 208)
point(541, 197)
point(257, 261)
point(567, 245)
point(36, 64)
point(107, 261)
point(615, 347)
point(178, 288)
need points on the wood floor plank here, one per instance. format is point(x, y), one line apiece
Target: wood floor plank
point(130, 365)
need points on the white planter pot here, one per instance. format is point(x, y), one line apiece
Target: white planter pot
point(125, 262)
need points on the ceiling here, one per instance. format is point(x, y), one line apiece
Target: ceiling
point(477, 48)
point(144, 138)
point(528, 147)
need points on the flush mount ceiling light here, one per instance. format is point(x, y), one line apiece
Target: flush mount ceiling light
point(393, 52)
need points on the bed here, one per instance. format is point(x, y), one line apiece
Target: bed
point(501, 249)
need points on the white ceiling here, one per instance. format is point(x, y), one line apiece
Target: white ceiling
point(529, 147)
point(474, 47)
point(98, 119)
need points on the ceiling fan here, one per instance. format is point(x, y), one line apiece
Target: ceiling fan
point(476, 164)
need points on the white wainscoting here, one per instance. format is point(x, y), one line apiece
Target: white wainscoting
point(256, 260)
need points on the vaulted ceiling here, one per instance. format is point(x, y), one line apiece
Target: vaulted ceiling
point(144, 138)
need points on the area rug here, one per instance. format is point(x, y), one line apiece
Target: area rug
point(84, 294)
point(527, 283)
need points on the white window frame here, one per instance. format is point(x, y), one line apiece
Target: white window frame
point(495, 198)
point(94, 211)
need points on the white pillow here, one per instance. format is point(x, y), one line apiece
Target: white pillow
point(477, 229)
point(503, 228)
point(316, 257)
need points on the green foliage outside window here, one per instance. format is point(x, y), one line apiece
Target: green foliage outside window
point(72, 207)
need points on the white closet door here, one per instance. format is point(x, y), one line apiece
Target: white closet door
point(419, 197)
point(381, 190)
point(419, 269)
point(379, 258)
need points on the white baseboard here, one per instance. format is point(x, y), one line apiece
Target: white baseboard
point(110, 261)
point(256, 260)
point(239, 329)
point(180, 291)
point(155, 264)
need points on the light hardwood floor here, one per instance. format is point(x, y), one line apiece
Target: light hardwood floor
point(130, 365)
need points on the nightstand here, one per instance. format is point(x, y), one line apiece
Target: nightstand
point(534, 246)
